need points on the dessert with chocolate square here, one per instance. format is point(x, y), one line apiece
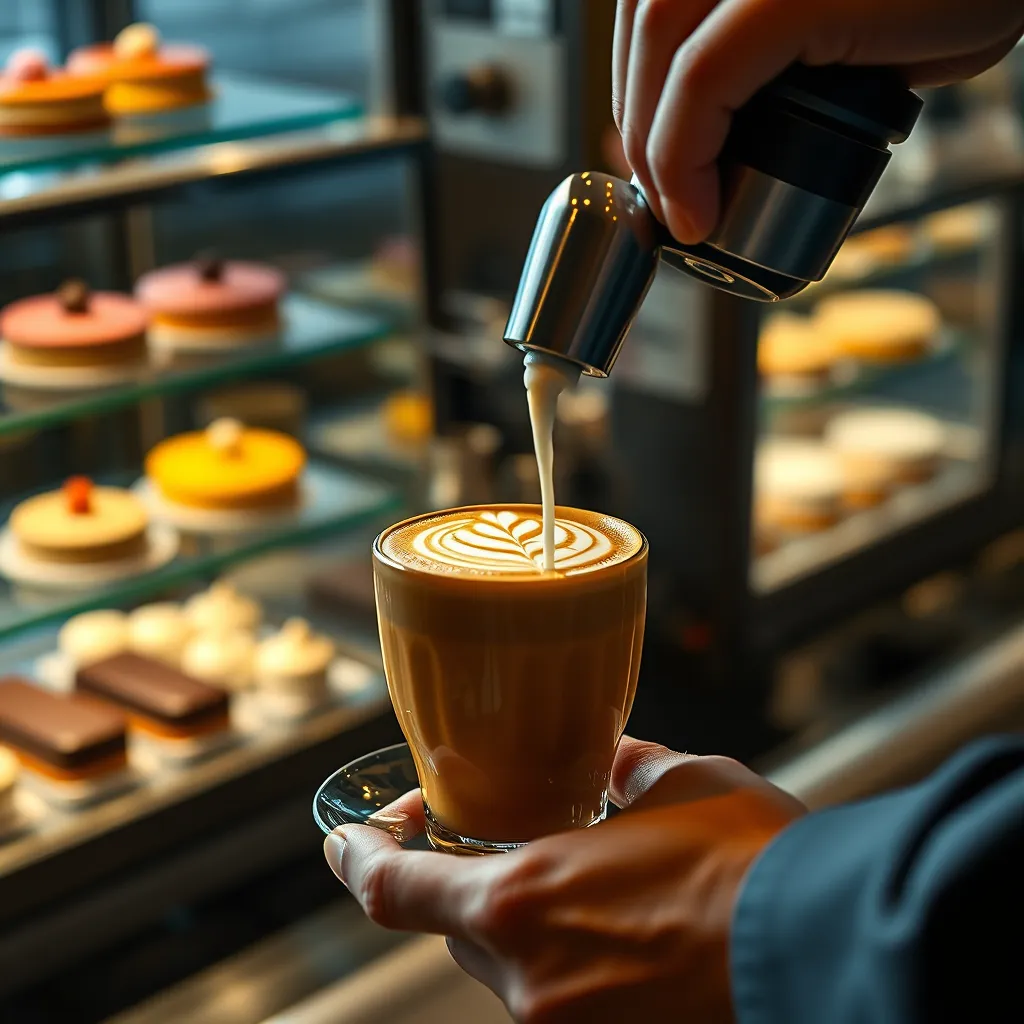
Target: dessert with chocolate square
point(72, 749)
point(179, 717)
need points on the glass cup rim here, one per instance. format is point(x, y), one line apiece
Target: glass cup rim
point(545, 579)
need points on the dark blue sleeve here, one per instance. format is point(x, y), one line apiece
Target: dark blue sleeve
point(901, 909)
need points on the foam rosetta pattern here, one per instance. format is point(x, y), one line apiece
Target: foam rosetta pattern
point(506, 541)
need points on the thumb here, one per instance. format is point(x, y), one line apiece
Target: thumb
point(638, 766)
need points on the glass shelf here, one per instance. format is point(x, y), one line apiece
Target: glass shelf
point(312, 329)
point(907, 275)
point(243, 107)
point(863, 378)
point(336, 501)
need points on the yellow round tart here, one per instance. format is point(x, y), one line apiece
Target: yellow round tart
point(81, 524)
point(228, 467)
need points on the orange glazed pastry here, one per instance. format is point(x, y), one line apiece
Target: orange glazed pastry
point(228, 467)
point(142, 75)
point(38, 100)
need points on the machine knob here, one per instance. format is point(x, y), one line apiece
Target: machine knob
point(480, 90)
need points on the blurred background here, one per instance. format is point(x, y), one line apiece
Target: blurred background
point(832, 490)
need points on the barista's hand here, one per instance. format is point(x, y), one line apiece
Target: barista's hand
point(628, 920)
point(681, 67)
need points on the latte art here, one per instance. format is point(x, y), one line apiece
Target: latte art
point(509, 542)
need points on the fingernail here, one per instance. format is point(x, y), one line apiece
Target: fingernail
point(334, 850)
point(397, 825)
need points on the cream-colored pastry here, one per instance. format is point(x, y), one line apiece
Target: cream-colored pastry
point(862, 253)
point(959, 228)
point(879, 326)
point(81, 523)
point(9, 770)
point(93, 636)
point(221, 657)
point(291, 669)
point(159, 631)
point(799, 487)
point(135, 41)
point(222, 607)
point(791, 352)
point(895, 446)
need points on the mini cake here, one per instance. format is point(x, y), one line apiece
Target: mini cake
point(80, 524)
point(159, 631)
point(959, 227)
point(37, 100)
point(395, 268)
point(221, 657)
point(222, 608)
point(179, 717)
point(8, 785)
point(142, 75)
point(228, 467)
point(799, 487)
point(75, 329)
point(409, 417)
point(863, 253)
point(792, 354)
point(93, 636)
point(879, 326)
point(291, 670)
point(72, 749)
point(881, 448)
point(212, 303)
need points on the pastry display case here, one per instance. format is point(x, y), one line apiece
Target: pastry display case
point(199, 291)
point(879, 392)
point(241, 335)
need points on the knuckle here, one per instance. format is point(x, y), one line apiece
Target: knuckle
point(654, 17)
point(515, 899)
point(691, 69)
point(537, 1005)
point(633, 146)
point(662, 162)
point(374, 892)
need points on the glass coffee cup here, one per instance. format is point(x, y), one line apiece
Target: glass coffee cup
point(512, 685)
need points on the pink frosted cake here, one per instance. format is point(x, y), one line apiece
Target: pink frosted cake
point(212, 304)
point(74, 327)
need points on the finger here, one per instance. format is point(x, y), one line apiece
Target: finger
point(739, 47)
point(743, 44)
point(958, 69)
point(478, 964)
point(638, 766)
point(403, 818)
point(624, 14)
point(402, 889)
point(659, 27)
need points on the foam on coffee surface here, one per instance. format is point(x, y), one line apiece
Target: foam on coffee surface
point(508, 542)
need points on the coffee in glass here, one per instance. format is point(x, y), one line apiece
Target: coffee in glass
point(511, 684)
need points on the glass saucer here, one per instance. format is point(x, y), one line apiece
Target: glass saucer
point(364, 786)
